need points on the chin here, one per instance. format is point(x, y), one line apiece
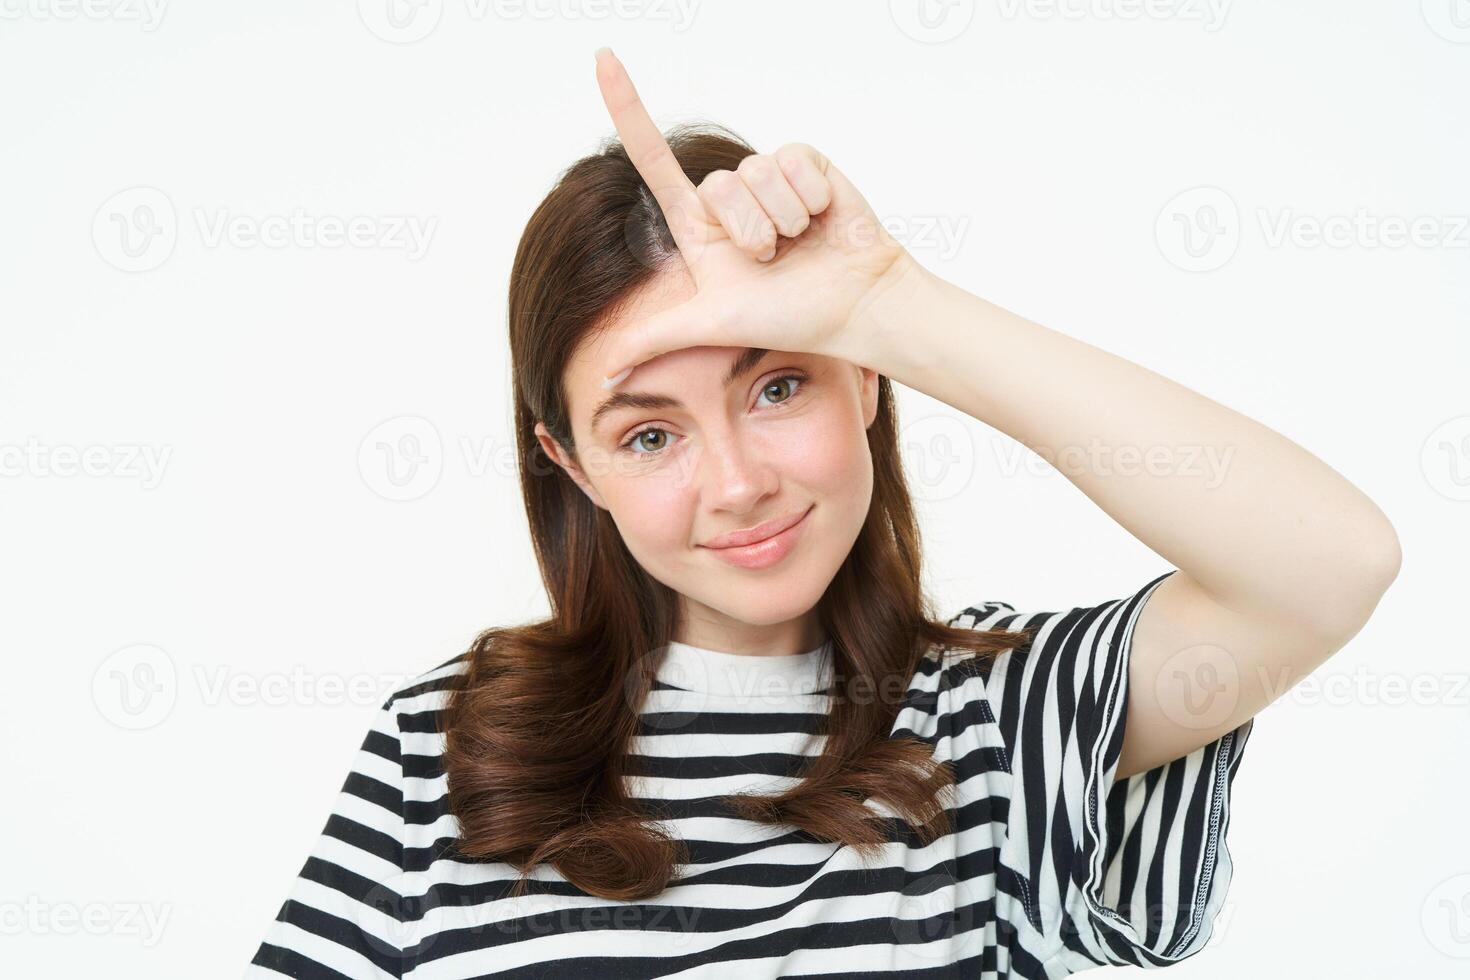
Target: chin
point(767, 603)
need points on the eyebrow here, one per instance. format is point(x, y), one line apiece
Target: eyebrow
point(749, 357)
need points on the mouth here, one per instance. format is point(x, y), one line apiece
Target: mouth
point(761, 546)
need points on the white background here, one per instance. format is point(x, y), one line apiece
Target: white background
point(200, 530)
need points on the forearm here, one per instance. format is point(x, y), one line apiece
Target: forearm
point(1262, 525)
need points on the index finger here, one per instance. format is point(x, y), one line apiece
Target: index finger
point(677, 197)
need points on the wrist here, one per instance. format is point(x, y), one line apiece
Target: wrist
point(886, 329)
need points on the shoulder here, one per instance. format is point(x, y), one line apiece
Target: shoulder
point(1107, 621)
point(982, 615)
point(1000, 618)
point(426, 691)
point(407, 730)
point(944, 666)
point(1063, 654)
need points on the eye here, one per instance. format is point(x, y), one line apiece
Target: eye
point(781, 383)
point(635, 439)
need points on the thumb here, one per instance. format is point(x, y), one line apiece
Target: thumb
point(703, 321)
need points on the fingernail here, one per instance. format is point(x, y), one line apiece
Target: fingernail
point(609, 382)
point(598, 52)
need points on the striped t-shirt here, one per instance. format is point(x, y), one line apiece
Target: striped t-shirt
point(1053, 866)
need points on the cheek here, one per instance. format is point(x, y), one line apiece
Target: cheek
point(823, 454)
point(653, 514)
point(830, 457)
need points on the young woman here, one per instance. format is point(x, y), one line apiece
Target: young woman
point(742, 745)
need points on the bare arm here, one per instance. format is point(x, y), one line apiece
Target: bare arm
point(1281, 560)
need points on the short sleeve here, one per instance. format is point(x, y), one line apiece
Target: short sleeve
point(1095, 870)
point(342, 917)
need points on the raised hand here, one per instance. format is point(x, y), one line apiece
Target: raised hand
point(784, 252)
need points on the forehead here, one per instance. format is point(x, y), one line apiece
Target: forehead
point(662, 396)
point(664, 291)
point(582, 376)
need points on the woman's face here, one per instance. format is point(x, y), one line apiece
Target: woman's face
point(680, 456)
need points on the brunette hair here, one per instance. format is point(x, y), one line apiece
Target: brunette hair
point(538, 723)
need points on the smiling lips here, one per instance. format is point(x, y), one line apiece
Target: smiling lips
point(761, 546)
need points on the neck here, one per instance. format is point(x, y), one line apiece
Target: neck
point(710, 629)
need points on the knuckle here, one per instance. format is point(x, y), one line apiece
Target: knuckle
point(717, 182)
point(757, 165)
point(794, 154)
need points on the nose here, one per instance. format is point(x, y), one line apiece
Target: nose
point(735, 472)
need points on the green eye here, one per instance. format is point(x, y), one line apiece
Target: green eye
point(634, 445)
point(778, 385)
point(779, 389)
point(784, 383)
point(649, 432)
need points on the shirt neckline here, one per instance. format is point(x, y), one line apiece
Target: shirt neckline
point(757, 677)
